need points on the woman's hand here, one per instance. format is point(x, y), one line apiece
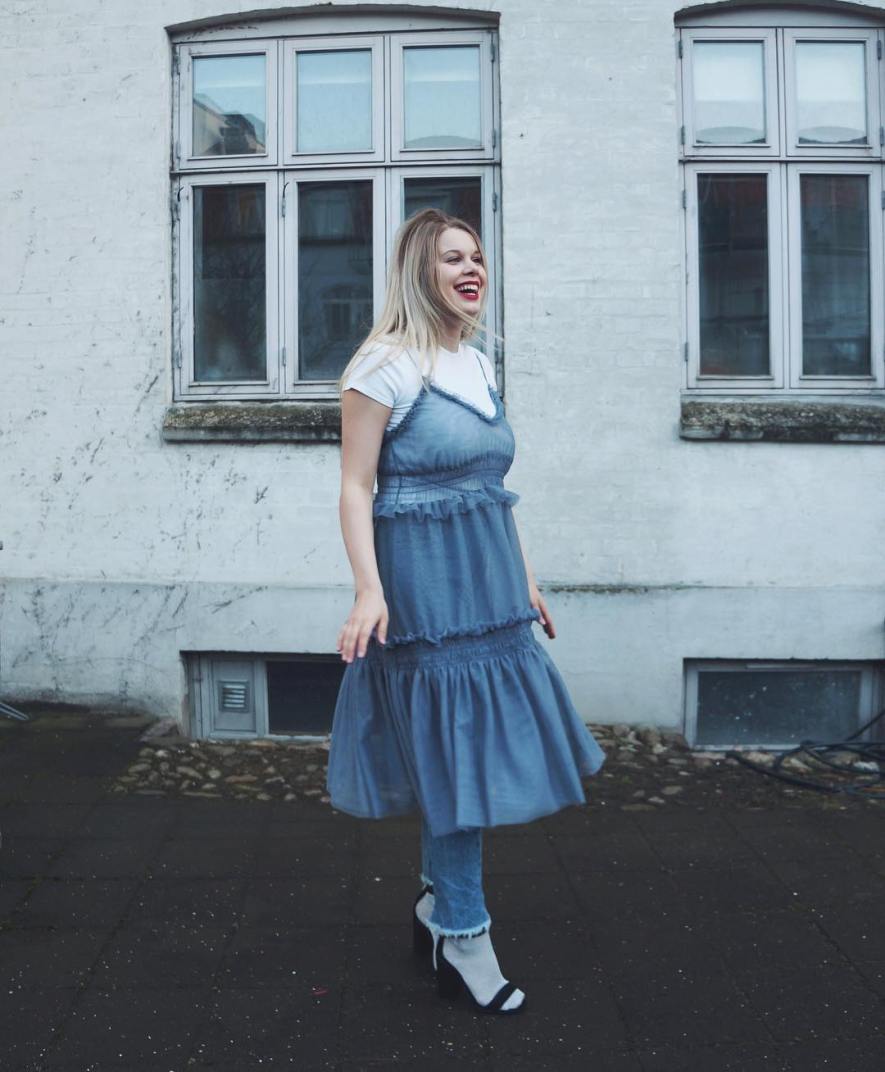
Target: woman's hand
point(369, 610)
point(537, 601)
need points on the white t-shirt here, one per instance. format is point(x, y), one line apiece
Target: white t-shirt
point(398, 382)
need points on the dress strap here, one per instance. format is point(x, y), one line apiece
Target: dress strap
point(482, 367)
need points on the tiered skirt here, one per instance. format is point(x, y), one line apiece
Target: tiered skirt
point(462, 714)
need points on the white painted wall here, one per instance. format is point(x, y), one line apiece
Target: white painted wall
point(120, 551)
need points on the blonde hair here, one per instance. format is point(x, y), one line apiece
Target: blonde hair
point(415, 307)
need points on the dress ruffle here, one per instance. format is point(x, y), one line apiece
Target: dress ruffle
point(480, 732)
point(394, 641)
point(437, 509)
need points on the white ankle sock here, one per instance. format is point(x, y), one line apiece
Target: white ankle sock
point(424, 907)
point(475, 959)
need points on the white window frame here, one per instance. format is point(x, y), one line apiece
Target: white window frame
point(185, 381)
point(490, 198)
point(872, 693)
point(776, 281)
point(289, 183)
point(183, 149)
point(877, 285)
point(872, 41)
point(289, 110)
point(488, 92)
point(769, 66)
point(282, 169)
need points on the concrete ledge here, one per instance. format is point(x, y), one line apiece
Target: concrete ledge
point(253, 422)
point(784, 420)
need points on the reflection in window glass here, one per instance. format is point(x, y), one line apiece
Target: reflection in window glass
point(729, 92)
point(772, 707)
point(459, 196)
point(335, 308)
point(831, 93)
point(835, 275)
point(301, 693)
point(733, 275)
point(230, 103)
point(334, 101)
point(442, 97)
point(229, 283)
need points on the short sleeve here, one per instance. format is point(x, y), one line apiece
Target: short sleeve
point(383, 384)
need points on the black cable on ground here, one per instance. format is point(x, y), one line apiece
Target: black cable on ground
point(873, 752)
point(11, 712)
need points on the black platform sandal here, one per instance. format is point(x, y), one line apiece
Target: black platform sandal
point(450, 983)
point(422, 936)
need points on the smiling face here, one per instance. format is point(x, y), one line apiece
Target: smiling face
point(462, 273)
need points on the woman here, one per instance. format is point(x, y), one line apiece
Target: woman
point(448, 703)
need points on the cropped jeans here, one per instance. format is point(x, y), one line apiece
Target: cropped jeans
point(452, 864)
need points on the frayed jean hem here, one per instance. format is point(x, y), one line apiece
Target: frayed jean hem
point(459, 932)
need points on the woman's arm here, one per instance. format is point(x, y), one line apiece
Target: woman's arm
point(535, 597)
point(363, 421)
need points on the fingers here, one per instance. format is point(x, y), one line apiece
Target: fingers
point(353, 640)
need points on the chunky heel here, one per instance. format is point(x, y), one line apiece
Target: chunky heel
point(450, 982)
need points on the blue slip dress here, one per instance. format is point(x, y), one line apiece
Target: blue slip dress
point(462, 713)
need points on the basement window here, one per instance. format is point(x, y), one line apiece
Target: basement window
point(777, 705)
point(277, 696)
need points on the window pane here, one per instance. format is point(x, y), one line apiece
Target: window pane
point(442, 97)
point(835, 275)
point(831, 92)
point(729, 92)
point(334, 101)
point(229, 283)
point(759, 707)
point(229, 105)
point(301, 694)
point(733, 274)
point(461, 197)
point(335, 309)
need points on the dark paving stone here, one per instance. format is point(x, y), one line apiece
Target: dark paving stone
point(731, 889)
point(831, 883)
point(407, 1024)
point(57, 789)
point(384, 900)
point(13, 891)
point(104, 858)
point(277, 958)
point(545, 950)
point(390, 857)
point(222, 819)
point(383, 954)
point(284, 857)
point(137, 817)
point(525, 897)
point(738, 1057)
point(135, 1029)
point(28, 857)
point(207, 900)
point(832, 1002)
point(564, 1017)
point(785, 835)
point(199, 857)
point(609, 894)
point(28, 1019)
point(48, 958)
point(42, 820)
point(269, 1029)
point(162, 955)
point(280, 902)
point(94, 905)
point(592, 1060)
point(619, 849)
point(519, 856)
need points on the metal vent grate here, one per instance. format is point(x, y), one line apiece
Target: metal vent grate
point(234, 695)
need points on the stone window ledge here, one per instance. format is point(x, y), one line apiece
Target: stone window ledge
point(797, 419)
point(254, 422)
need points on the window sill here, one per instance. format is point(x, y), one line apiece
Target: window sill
point(317, 421)
point(799, 419)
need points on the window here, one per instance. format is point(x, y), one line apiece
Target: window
point(299, 146)
point(250, 696)
point(782, 157)
point(778, 704)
